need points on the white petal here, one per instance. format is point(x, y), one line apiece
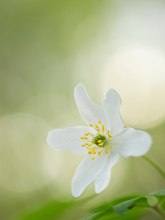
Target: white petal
point(112, 102)
point(89, 111)
point(103, 178)
point(68, 138)
point(132, 142)
point(86, 173)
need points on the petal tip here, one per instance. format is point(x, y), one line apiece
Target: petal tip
point(75, 193)
point(135, 142)
point(52, 137)
point(78, 91)
point(97, 191)
point(79, 86)
point(149, 141)
point(111, 93)
point(49, 138)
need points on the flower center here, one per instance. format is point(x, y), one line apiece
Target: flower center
point(98, 144)
point(100, 140)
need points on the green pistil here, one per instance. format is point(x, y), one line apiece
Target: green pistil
point(100, 140)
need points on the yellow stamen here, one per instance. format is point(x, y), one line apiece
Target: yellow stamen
point(87, 134)
point(84, 138)
point(97, 144)
point(100, 152)
point(96, 126)
point(99, 141)
point(106, 150)
point(109, 135)
point(89, 144)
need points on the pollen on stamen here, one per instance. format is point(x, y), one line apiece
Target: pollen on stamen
point(97, 127)
point(100, 152)
point(87, 134)
point(99, 141)
point(106, 150)
point(109, 134)
point(89, 144)
point(91, 152)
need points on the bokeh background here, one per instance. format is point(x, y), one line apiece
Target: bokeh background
point(46, 48)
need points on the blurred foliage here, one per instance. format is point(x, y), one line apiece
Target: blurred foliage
point(39, 42)
point(118, 209)
point(53, 210)
point(123, 206)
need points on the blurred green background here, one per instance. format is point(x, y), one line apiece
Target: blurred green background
point(46, 48)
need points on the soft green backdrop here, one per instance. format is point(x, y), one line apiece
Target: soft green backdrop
point(46, 48)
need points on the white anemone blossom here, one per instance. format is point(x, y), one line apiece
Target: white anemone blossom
point(103, 140)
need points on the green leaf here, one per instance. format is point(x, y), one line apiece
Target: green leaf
point(160, 193)
point(50, 211)
point(106, 211)
point(144, 201)
point(54, 209)
point(152, 201)
point(121, 208)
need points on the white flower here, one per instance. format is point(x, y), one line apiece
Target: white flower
point(103, 140)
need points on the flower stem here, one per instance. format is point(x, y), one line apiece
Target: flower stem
point(155, 165)
point(159, 212)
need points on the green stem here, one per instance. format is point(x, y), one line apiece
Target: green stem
point(159, 212)
point(155, 165)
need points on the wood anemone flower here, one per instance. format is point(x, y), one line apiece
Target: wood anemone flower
point(102, 141)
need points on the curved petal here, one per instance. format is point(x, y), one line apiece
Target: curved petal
point(89, 111)
point(103, 178)
point(86, 173)
point(111, 103)
point(68, 138)
point(132, 142)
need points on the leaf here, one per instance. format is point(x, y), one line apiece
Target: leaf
point(160, 193)
point(152, 201)
point(53, 209)
point(106, 209)
point(50, 211)
point(144, 201)
point(121, 208)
